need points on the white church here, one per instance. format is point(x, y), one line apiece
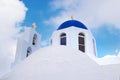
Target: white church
point(72, 55)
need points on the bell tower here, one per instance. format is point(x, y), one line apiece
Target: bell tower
point(27, 44)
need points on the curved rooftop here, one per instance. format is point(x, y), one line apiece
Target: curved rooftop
point(71, 23)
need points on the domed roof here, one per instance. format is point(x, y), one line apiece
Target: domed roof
point(70, 23)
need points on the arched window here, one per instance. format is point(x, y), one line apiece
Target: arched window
point(29, 51)
point(34, 42)
point(63, 39)
point(51, 41)
point(81, 41)
point(94, 47)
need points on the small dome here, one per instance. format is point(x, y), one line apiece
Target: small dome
point(70, 23)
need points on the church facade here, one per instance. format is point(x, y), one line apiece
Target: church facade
point(71, 33)
point(75, 34)
point(69, 57)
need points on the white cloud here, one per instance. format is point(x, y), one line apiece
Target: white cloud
point(110, 59)
point(118, 53)
point(12, 13)
point(93, 13)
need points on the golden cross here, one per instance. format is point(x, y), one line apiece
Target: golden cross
point(72, 17)
point(34, 25)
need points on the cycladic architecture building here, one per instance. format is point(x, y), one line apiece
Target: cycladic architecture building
point(71, 56)
point(27, 44)
point(75, 34)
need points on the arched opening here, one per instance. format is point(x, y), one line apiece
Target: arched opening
point(94, 49)
point(29, 51)
point(63, 39)
point(34, 42)
point(51, 41)
point(81, 41)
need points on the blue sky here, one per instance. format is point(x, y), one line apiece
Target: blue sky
point(43, 13)
point(39, 12)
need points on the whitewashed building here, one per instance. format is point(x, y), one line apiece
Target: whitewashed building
point(75, 34)
point(71, 56)
point(27, 44)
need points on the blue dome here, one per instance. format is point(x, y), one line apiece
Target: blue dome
point(72, 23)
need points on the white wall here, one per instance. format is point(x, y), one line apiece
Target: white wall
point(72, 39)
point(24, 42)
point(61, 63)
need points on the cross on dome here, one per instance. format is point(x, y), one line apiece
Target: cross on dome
point(72, 17)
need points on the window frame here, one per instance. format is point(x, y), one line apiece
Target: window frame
point(34, 41)
point(81, 35)
point(63, 39)
point(94, 47)
point(29, 51)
